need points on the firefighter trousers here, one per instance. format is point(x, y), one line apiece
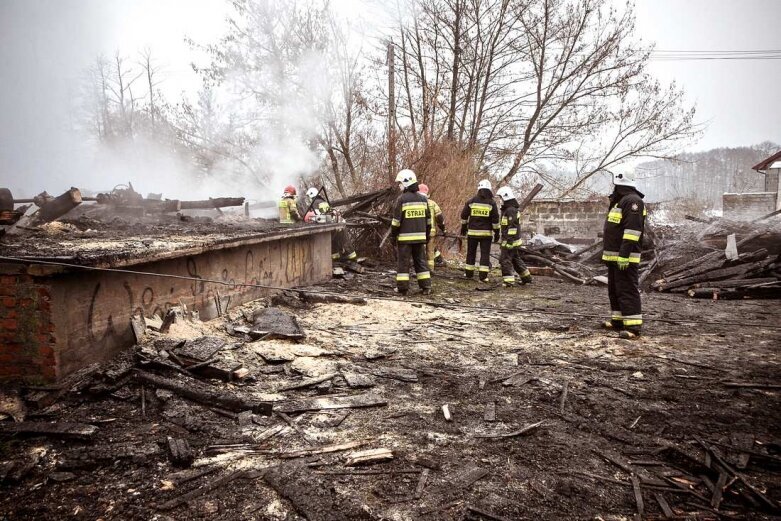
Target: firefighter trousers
point(471, 256)
point(432, 252)
point(509, 260)
point(418, 254)
point(623, 290)
point(341, 246)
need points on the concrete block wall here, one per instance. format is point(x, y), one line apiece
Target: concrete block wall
point(26, 330)
point(568, 218)
point(749, 205)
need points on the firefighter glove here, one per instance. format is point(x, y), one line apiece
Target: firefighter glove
point(623, 263)
point(496, 236)
point(463, 230)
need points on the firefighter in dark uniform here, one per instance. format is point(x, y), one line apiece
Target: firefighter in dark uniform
point(411, 227)
point(341, 247)
point(622, 235)
point(510, 228)
point(479, 221)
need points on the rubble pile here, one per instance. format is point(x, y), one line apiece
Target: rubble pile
point(721, 260)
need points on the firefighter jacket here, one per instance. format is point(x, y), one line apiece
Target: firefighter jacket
point(624, 226)
point(510, 225)
point(288, 210)
point(411, 222)
point(437, 217)
point(480, 218)
point(320, 206)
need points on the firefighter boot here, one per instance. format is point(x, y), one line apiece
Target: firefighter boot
point(629, 334)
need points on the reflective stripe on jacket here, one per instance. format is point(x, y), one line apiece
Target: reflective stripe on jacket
point(480, 216)
point(511, 226)
point(320, 206)
point(411, 221)
point(437, 217)
point(288, 211)
point(624, 227)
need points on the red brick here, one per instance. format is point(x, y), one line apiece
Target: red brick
point(7, 280)
point(8, 324)
point(26, 303)
point(9, 302)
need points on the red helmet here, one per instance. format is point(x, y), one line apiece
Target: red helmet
point(309, 217)
point(423, 188)
point(290, 189)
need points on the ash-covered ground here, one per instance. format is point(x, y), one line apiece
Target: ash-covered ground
point(659, 418)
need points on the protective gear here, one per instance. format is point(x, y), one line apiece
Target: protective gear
point(628, 335)
point(622, 234)
point(624, 179)
point(479, 221)
point(288, 210)
point(290, 190)
point(312, 192)
point(406, 177)
point(423, 189)
point(320, 206)
point(437, 221)
point(510, 257)
point(485, 184)
point(411, 227)
point(309, 217)
point(506, 193)
point(496, 236)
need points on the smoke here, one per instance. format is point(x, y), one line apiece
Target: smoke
point(46, 49)
point(43, 46)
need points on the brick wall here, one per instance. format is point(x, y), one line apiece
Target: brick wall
point(749, 205)
point(26, 330)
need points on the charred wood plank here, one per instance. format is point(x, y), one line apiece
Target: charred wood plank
point(217, 483)
point(180, 453)
point(327, 403)
point(204, 396)
point(718, 274)
point(55, 430)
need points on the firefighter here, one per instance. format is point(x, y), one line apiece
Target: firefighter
point(411, 227)
point(622, 235)
point(510, 227)
point(480, 220)
point(341, 248)
point(437, 221)
point(288, 207)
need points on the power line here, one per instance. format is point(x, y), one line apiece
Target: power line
point(500, 309)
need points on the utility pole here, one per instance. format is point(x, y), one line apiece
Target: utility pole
point(391, 114)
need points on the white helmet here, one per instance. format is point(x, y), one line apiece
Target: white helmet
point(406, 177)
point(484, 184)
point(312, 192)
point(506, 193)
point(624, 179)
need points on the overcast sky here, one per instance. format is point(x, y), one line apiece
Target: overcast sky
point(45, 44)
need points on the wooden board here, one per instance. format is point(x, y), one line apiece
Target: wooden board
point(326, 403)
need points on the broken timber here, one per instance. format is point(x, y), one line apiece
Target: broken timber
point(512, 434)
point(368, 457)
point(205, 396)
point(336, 402)
point(56, 430)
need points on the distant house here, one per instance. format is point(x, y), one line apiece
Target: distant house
point(757, 204)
